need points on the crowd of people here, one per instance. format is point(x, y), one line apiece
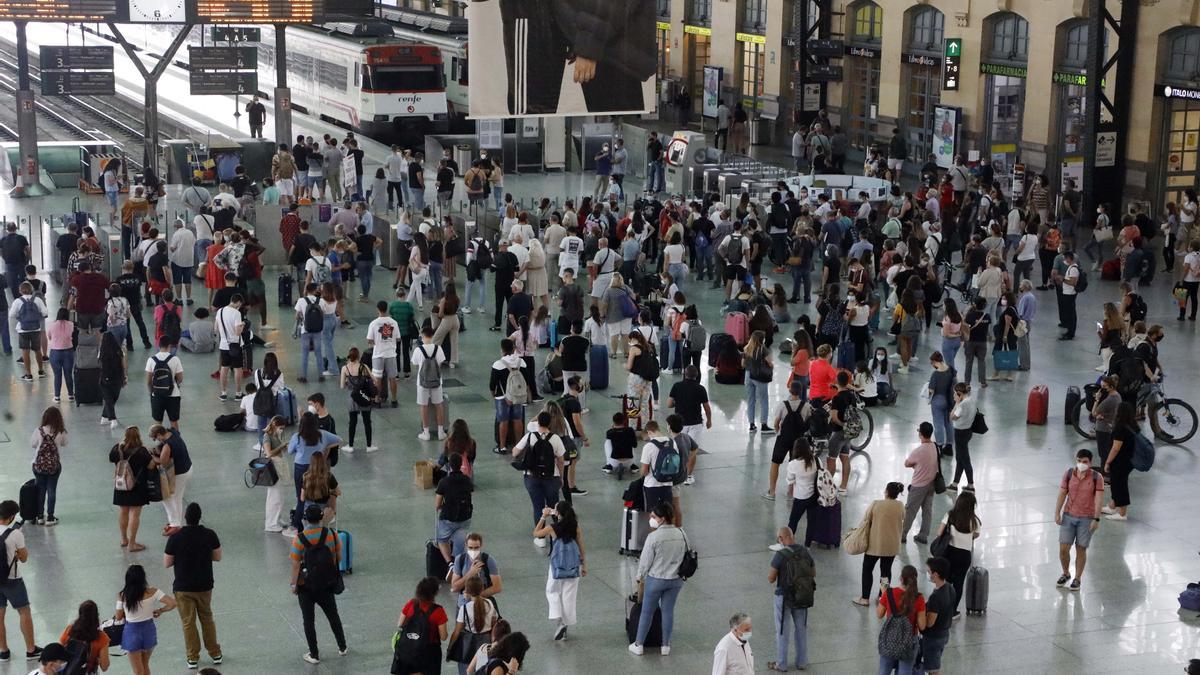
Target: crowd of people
point(600, 284)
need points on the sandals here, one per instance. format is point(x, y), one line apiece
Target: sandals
point(773, 666)
point(860, 602)
point(134, 548)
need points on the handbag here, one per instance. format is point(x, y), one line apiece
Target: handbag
point(1101, 234)
point(937, 547)
point(153, 486)
point(114, 629)
point(1022, 328)
point(690, 562)
point(855, 541)
point(261, 471)
point(979, 424)
point(1004, 359)
point(939, 481)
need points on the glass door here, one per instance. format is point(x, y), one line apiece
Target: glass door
point(1182, 149)
point(924, 92)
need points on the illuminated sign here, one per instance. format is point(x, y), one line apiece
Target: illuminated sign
point(1171, 91)
point(259, 11)
point(58, 10)
point(751, 37)
point(951, 63)
point(697, 30)
point(663, 25)
point(1003, 70)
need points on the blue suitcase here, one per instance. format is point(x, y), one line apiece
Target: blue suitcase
point(346, 564)
point(285, 405)
point(598, 367)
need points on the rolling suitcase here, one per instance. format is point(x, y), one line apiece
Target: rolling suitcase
point(635, 527)
point(717, 342)
point(737, 324)
point(435, 565)
point(285, 289)
point(633, 614)
point(285, 405)
point(28, 500)
point(975, 590)
point(1038, 407)
point(87, 386)
point(87, 351)
point(1071, 410)
point(346, 564)
point(1111, 270)
point(598, 367)
point(824, 525)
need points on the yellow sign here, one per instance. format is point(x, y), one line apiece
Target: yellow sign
point(1004, 147)
point(663, 25)
point(697, 30)
point(751, 37)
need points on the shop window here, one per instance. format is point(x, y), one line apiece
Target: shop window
point(1183, 63)
point(754, 17)
point(868, 23)
point(752, 73)
point(926, 31)
point(1010, 38)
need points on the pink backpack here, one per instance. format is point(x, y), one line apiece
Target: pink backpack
point(737, 324)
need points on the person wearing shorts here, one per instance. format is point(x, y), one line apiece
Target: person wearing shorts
point(12, 590)
point(429, 398)
point(1077, 514)
point(166, 403)
point(839, 446)
point(510, 416)
point(382, 334)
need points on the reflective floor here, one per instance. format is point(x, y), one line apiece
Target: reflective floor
point(1125, 619)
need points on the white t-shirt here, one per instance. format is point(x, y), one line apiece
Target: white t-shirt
point(434, 351)
point(226, 324)
point(569, 249)
point(14, 543)
point(1072, 273)
point(382, 334)
point(247, 406)
point(171, 362)
point(302, 306)
point(959, 540)
point(1014, 222)
point(316, 262)
point(1191, 267)
point(144, 250)
point(596, 333)
point(673, 253)
point(804, 480)
point(522, 255)
point(860, 315)
point(528, 440)
point(204, 226)
point(145, 608)
point(1031, 246)
point(184, 243)
point(649, 455)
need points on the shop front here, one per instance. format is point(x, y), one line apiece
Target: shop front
point(861, 85)
point(1178, 97)
point(922, 64)
point(1004, 68)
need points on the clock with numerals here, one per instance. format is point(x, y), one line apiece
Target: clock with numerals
point(157, 11)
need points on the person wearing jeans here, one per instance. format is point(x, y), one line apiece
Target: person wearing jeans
point(962, 418)
point(62, 353)
point(756, 359)
point(309, 341)
point(543, 492)
point(658, 570)
point(941, 390)
point(784, 612)
point(47, 441)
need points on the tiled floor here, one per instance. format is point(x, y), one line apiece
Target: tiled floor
point(1125, 620)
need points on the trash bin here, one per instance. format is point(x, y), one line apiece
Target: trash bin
point(761, 130)
point(462, 155)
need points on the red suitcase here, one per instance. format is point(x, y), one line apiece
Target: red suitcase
point(1111, 270)
point(1039, 405)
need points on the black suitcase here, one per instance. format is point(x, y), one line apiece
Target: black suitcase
point(28, 500)
point(285, 289)
point(87, 386)
point(975, 590)
point(716, 342)
point(633, 613)
point(1073, 398)
point(435, 565)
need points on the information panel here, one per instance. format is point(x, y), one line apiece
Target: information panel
point(58, 10)
point(223, 58)
point(236, 34)
point(259, 11)
point(208, 82)
point(65, 83)
point(54, 57)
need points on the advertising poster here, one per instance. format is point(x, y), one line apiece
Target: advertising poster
point(536, 58)
point(712, 89)
point(945, 135)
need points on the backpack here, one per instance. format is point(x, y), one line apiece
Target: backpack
point(314, 318)
point(756, 366)
point(162, 379)
point(123, 478)
point(1137, 307)
point(29, 317)
point(565, 561)
point(412, 639)
point(897, 637)
point(323, 272)
point(539, 456)
point(668, 464)
point(78, 653)
point(697, 337)
point(264, 398)
point(677, 325)
point(791, 427)
point(317, 566)
point(627, 306)
point(46, 460)
point(648, 367)
point(171, 324)
point(458, 509)
point(516, 389)
point(731, 250)
point(475, 183)
point(1081, 283)
point(483, 254)
point(796, 580)
point(362, 387)
point(1189, 599)
point(230, 422)
point(852, 424)
point(429, 376)
point(826, 489)
point(1143, 452)
point(9, 565)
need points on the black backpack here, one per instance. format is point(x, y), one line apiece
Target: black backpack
point(648, 367)
point(314, 318)
point(9, 565)
point(317, 566)
point(483, 253)
point(412, 640)
point(172, 325)
point(162, 380)
point(791, 427)
point(539, 460)
point(264, 398)
point(458, 508)
point(78, 652)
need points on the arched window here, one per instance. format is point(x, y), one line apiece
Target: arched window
point(1076, 46)
point(1010, 38)
point(1183, 56)
point(925, 33)
point(868, 23)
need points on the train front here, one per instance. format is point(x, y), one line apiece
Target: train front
point(403, 93)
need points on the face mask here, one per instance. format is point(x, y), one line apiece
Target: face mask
point(879, 357)
point(1082, 466)
point(312, 409)
point(473, 553)
point(655, 522)
point(746, 636)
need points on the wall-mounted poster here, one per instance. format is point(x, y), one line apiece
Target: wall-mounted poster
point(712, 89)
point(946, 121)
point(561, 57)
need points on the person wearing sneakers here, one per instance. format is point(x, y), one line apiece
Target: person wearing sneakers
point(923, 460)
point(795, 584)
point(310, 324)
point(1077, 514)
point(454, 509)
point(47, 443)
point(510, 412)
point(12, 588)
point(191, 552)
point(658, 575)
point(164, 377)
point(689, 399)
point(172, 454)
point(541, 451)
point(382, 334)
point(314, 578)
point(228, 323)
point(28, 313)
point(428, 359)
point(962, 418)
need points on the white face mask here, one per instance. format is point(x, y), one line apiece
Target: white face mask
point(473, 553)
point(312, 409)
point(655, 522)
point(880, 357)
point(1082, 466)
point(746, 636)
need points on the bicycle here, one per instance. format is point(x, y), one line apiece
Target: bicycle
point(859, 432)
point(1173, 420)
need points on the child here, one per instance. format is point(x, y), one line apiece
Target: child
point(802, 353)
point(199, 338)
point(619, 443)
point(247, 406)
point(270, 192)
point(541, 326)
point(881, 371)
point(864, 384)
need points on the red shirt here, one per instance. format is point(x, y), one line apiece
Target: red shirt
point(897, 594)
point(821, 378)
point(90, 288)
point(289, 229)
point(436, 618)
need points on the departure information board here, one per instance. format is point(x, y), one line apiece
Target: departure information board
point(259, 11)
point(58, 10)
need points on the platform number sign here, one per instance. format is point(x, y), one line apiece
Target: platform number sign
point(952, 57)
